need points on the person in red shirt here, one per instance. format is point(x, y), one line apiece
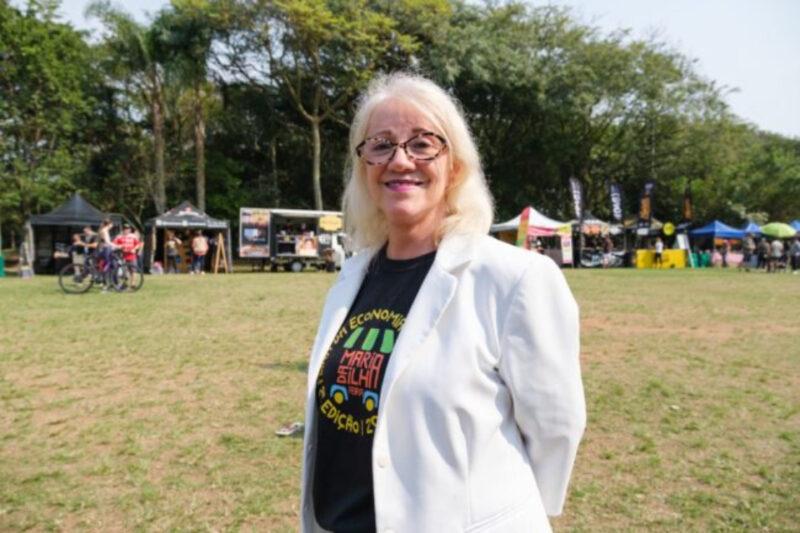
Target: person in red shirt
point(129, 244)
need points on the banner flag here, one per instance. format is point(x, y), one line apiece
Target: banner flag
point(688, 208)
point(616, 201)
point(577, 197)
point(646, 205)
point(522, 229)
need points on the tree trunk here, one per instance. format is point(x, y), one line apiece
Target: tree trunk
point(200, 150)
point(273, 156)
point(316, 163)
point(159, 187)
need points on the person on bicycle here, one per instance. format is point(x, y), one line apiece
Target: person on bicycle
point(89, 241)
point(129, 244)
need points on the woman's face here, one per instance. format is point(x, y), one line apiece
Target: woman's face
point(409, 192)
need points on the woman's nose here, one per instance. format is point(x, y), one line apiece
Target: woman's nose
point(400, 161)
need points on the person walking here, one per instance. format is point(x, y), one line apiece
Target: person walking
point(748, 248)
point(444, 389)
point(794, 253)
point(173, 247)
point(658, 262)
point(776, 255)
point(763, 253)
point(199, 251)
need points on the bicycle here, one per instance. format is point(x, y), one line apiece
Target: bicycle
point(126, 276)
point(79, 276)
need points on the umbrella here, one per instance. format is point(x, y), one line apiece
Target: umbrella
point(778, 230)
point(795, 224)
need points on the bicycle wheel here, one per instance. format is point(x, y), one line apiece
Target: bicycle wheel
point(75, 279)
point(135, 278)
point(118, 277)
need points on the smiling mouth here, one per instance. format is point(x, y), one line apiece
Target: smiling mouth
point(403, 183)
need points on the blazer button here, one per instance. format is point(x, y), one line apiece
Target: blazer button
point(382, 462)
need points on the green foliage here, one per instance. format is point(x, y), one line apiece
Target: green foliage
point(251, 100)
point(45, 78)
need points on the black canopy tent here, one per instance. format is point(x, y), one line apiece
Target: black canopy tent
point(186, 217)
point(49, 235)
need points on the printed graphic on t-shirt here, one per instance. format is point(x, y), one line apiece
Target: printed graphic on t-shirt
point(350, 399)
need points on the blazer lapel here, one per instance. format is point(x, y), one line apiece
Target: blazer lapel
point(337, 304)
point(432, 299)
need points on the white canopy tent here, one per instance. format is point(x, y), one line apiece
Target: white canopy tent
point(538, 224)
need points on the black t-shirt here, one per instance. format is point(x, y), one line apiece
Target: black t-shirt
point(349, 388)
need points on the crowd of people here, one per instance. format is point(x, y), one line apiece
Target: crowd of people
point(99, 245)
point(763, 254)
point(199, 246)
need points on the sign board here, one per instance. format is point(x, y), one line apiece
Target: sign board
point(254, 232)
point(330, 223)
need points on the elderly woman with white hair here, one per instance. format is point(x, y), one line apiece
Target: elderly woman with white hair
point(444, 388)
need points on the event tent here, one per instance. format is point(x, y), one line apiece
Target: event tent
point(183, 218)
point(593, 225)
point(752, 228)
point(719, 230)
point(50, 234)
point(538, 224)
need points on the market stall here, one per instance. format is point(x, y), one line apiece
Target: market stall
point(550, 237)
point(48, 236)
point(183, 221)
point(710, 241)
point(751, 228)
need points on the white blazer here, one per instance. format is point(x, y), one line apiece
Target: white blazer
point(482, 403)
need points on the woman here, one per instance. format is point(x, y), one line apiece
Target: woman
point(173, 246)
point(199, 251)
point(444, 389)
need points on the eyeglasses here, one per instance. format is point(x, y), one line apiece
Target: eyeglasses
point(425, 146)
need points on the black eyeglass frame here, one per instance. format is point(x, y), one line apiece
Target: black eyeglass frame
point(403, 146)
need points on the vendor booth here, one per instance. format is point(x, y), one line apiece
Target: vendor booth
point(675, 254)
point(183, 221)
point(48, 236)
point(709, 241)
point(550, 237)
point(751, 228)
point(604, 244)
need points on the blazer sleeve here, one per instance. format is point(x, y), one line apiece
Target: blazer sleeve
point(539, 362)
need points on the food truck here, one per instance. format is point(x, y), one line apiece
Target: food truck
point(292, 239)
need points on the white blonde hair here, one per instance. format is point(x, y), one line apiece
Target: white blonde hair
point(469, 202)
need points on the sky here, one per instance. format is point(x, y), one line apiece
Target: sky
point(750, 47)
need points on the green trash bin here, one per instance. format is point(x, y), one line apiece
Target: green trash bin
point(2, 266)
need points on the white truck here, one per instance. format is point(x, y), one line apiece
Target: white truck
point(292, 239)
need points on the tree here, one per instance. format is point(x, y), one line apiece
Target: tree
point(135, 63)
point(46, 106)
point(187, 35)
point(320, 53)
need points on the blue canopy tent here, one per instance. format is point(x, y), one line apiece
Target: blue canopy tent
point(752, 228)
point(795, 224)
point(717, 230)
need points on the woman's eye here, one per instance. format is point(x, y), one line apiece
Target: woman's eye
point(421, 144)
point(381, 145)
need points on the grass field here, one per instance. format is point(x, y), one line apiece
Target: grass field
point(156, 411)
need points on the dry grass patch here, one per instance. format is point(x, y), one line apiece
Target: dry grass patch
point(156, 411)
